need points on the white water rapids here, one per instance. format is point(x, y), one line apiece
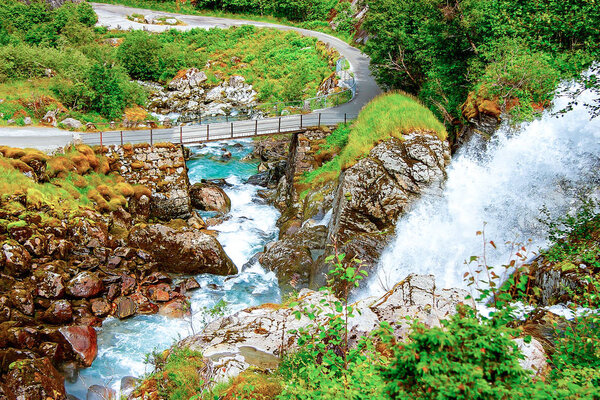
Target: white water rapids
point(504, 184)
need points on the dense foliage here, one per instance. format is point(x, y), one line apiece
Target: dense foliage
point(514, 52)
point(297, 10)
point(60, 61)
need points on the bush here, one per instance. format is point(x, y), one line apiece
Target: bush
point(139, 54)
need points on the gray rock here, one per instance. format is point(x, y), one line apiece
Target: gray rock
point(209, 197)
point(378, 189)
point(97, 392)
point(27, 121)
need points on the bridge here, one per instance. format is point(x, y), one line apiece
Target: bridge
point(197, 134)
point(115, 17)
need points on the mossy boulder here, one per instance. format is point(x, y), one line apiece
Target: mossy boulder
point(209, 197)
point(34, 379)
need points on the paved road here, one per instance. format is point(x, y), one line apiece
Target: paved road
point(115, 17)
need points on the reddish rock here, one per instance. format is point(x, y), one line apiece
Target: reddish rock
point(22, 300)
point(100, 307)
point(24, 337)
point(50, 285)
point(20, 233)
point(83, 342)
point(36, 245)
point(125, 252)
point(85, 285)
point(34, 380)
point(60, 312)
point(156, 277)
point(128, 285)
point(125, 307)
point(59, 248)
point(159, 292)
point(51, 350)
point(176, 308)
point(114, 291)
point(17, 260)
point(113, 262)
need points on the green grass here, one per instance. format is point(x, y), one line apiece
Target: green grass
point(387, 116)
point(189, 9)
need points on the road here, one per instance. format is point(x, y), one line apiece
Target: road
point(115, 17)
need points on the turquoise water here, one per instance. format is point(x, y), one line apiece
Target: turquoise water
point(123, 345)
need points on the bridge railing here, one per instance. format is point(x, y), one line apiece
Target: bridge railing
point(196, 134)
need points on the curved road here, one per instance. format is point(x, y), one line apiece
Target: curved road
point(115, 17)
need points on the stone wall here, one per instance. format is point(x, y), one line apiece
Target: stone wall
point(162, 169)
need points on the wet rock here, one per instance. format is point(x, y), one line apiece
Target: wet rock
point(209, 197)
point(125, 307)
point(34, 380)
point(126, 253)
point(182, 251)
point(22, 300)
point(20, 233)
point(176, 308)
point(16, 259)
point(50, 285)
point(85, 285)
point(373, 193)
point(271, 176)
point(190, 284)
point(97, 392)
point(292, 256)
point(83, 342)
point(128, 385)
point(36, 245)
point(60, 312)
point(159, 292)
point(100, 307)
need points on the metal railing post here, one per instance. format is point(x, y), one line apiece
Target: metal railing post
point(279, 128)
point(319, 120)
point(345, 119)
point(301, 121)
point(207, 132)
point(232, 130)
point(121, 138)
point(150, 137)
point(100, 139)
point(180, 134)
point(255, 127)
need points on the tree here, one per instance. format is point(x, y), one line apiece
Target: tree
point(139, 54)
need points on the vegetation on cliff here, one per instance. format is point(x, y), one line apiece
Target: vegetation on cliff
point(349, 143)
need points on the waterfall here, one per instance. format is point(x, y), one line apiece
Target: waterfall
point(503, 184)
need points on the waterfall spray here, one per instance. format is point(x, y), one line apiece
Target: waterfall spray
point(503, 184)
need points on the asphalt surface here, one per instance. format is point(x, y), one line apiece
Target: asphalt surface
point(115, 17)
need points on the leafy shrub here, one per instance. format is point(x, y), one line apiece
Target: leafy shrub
point(139, 54)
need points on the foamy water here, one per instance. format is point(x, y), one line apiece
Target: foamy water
point(123, 345)
point(546, 163)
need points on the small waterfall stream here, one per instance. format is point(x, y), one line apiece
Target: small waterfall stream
point(549, 163)
point(123, 345)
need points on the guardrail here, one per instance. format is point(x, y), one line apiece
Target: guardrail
point(197, 134)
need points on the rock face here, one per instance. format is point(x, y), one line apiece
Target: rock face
point(255, 336)
point(160, 168)
point(373, 193)
point(34, 380)
point(293, 256)
point(209, 197)
point(82, 340)
point(196, 252)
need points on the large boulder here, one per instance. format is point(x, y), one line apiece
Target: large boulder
point(209, 197)
point(15, 259)
point(292, 257)
point(83, 342)
point(34, 379)
point(257, 336)
point(85, 285)
point(182, 250)
point(378, 189)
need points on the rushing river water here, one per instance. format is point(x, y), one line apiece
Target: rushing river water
point(123, 345)
point(505, 183)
